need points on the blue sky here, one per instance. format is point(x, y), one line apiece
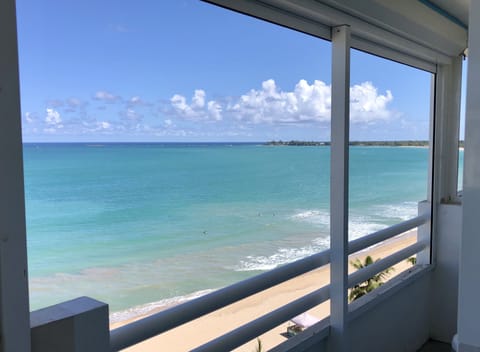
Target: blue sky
point(189, 71)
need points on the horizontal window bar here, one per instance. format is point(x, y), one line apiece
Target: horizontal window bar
point(367, 272)
point(253, 329)
point(385, 234)
point(367, 46)
point(155, 324)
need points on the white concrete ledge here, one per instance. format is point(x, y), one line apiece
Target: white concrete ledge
point(79, 325)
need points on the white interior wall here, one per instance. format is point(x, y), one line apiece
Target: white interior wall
point(397, 324)
point(444, 279)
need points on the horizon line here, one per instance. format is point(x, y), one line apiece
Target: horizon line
point(231, 142)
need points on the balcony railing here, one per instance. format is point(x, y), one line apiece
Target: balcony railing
point(163, 321)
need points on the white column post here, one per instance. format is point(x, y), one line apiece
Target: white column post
point(447, 123)
point(469, 283)
point(339, 187)
point(444, 134)
point(14, 306)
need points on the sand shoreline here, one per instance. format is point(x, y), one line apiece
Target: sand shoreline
point(205, 328)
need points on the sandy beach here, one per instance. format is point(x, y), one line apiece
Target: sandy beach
point(204, 329)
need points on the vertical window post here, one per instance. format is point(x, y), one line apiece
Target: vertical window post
point(14, 306)
point(339, 186)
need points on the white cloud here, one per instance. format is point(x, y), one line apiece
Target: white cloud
point(29, 117)
point(197, 110)
point(136, 100)
point(106, 96)
point(104, 125)
point(366, 105)
point(198, 99)
point(214, 110)
point(303, 104)
point(132, 115)
point(306, 103)
point(53, 118)
point(309, 103)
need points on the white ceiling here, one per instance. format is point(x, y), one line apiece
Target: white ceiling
point(456, 8)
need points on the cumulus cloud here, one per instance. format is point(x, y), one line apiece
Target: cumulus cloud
point(131, 115)
point(198, 109)
point(53, 119)
point(106, 96)
point(29, 117)
point(136, 100)
point(214, 110)
point(303, 104)
point(309, 103)
point(104, 125)
point(367, 105)
point(306, 103)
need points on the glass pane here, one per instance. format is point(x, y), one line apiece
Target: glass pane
point(389, 152)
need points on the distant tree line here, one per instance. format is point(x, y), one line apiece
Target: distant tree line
point(354, 143)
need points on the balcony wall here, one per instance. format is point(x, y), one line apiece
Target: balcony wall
point(444, 281)
point(398, 323)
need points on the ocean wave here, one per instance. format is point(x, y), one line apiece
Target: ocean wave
point(283, 256)
point(314, 216)
point(358, 226)
point(402, 211)
point(149, 308)
point(360, 223)
point(287, 255)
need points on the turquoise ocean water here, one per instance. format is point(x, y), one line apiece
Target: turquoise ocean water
point(143, 225)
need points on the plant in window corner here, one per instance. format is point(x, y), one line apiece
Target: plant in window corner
point(372, 283)
point(412, 260)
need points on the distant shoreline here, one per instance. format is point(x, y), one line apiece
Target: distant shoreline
point(404, 143)
point(400, 143)
point(352, 143)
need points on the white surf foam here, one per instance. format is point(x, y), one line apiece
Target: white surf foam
point(314, 216)
point(402, 211)
point(146, 309)
point(360, 226)
point(282, 256)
